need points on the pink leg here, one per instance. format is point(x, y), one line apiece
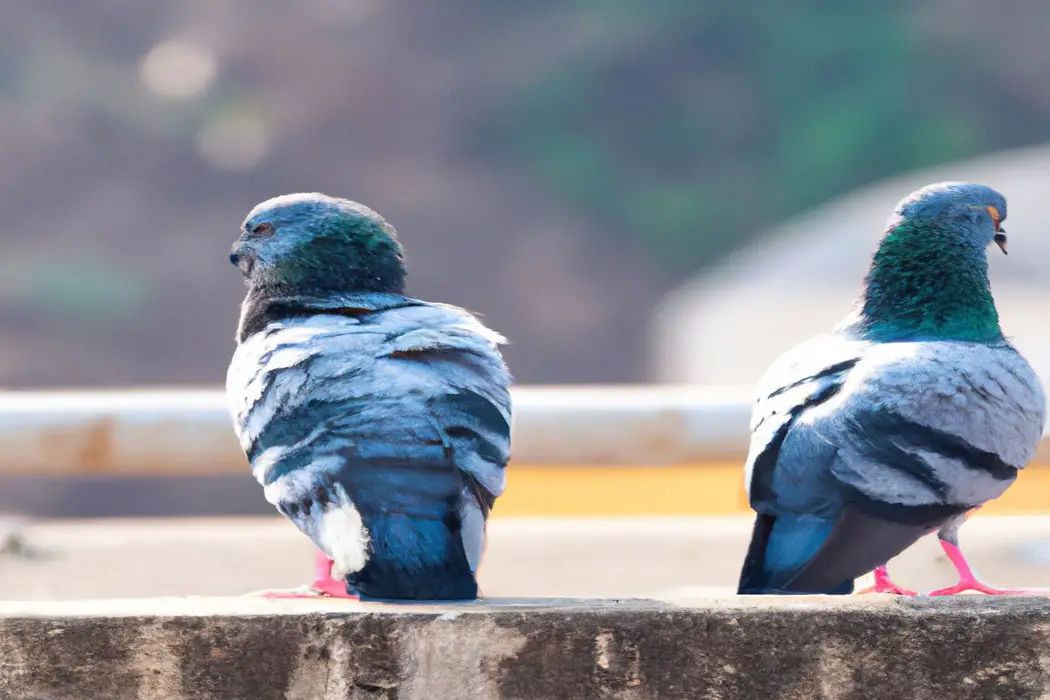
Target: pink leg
point(968, 581)
point(323, 586)
point(883, 584)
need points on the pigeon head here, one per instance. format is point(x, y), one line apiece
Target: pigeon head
point(969, 213)
point(929, 277)
point(311, 242)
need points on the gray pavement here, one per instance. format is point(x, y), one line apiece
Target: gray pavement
point(586, 557)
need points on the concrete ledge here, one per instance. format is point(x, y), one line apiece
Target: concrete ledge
point(729, 648)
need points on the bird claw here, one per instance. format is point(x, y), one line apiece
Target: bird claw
point(324, 586)
point(972, 584)
point(332, 589)
point(968, 580)
point(883, 584)
point(318, 589)
point(890, 588)
point(291, 594)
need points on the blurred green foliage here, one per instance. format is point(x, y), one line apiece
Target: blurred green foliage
point(76, 290)
point(691, 126)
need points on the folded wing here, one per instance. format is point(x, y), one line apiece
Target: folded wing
point(384, 436)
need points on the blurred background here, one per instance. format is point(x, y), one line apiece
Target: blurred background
point(632, 192)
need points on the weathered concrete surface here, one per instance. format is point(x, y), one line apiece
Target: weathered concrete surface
point(578, 557)
point(770, 649)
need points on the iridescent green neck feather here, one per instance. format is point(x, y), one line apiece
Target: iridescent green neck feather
point(344, 256)
point(927, 282)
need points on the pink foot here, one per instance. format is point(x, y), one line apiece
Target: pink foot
point(973, 584)
point(968, 581)
point(883, 584)
point(324, 586)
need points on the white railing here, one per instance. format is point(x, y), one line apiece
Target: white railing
point(177, 431)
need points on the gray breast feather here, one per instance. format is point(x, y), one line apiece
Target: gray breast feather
point(932, 423)
point(304, 388)
point(925, 423)
point(986, 395)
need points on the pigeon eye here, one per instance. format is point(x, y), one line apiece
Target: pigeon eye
point(262, 229)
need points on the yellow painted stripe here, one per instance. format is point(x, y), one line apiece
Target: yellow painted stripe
point(709, 489)
point(1030, 494)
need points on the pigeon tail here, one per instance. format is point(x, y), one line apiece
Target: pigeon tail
point(414, 558)
point(780, 549)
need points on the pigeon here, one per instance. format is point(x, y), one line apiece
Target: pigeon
point(911, 413)
point(379, 424)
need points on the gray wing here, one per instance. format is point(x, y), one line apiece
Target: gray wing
point(787, 474)
point(473, 414)
point(781, 450)
point(934, 423)
point(910, 424)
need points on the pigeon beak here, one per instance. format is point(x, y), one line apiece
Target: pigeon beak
point(242, 258)
point(1000, 232)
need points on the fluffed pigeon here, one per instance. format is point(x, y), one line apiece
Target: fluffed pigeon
point(914, 411)
point(379, 424)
